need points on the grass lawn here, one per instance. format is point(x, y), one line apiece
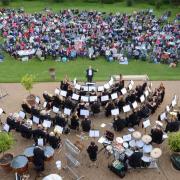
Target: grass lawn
point(12, 70)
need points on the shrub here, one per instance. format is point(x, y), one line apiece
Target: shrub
point(107, 1)
point(174, 141)
point(6, 141)
point(92, 1)
point(151, 2)
point(165, 1)
point(129, 3)
point(57, 1)
point(27, 81)
point(5, 2)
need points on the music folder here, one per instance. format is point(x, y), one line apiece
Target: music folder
point(67, 111)
point(146, 123)
point(22, 114)
point(126, 108)
point(35, 119)
point(115, 112)
point(94, 133)
point(75, 96)
point(84, 112)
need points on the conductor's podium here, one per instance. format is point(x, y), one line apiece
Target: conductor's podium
point(132, 77)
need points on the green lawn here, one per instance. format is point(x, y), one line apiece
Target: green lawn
point(12, 70)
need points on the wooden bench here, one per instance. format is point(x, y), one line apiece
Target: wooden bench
point(132, 77)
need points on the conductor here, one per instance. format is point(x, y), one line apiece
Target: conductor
point(90, 73)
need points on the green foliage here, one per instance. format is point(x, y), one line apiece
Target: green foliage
point(91, 1)
point(158, 4)
point(27, 81)
point(174, 141)
point(107, 1)
point(129, 3)
point(5, 2)
point(6, 141)
point(57, 1)
point(175, 2)
point(151, 2)
point(165, 1)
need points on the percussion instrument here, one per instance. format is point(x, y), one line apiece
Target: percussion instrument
point(119, 148)
point(146, 161)
point(132, 143)
point(109, 148)
point(147, 148)
point(156, 153)
point(52, 177)
point(28, 152)
point(128, 152)
point(125, 145)
point(136, 135)
point(139, 143)
point(119, 140)
point(48, 152)
point(19, 164)
point(146, 139)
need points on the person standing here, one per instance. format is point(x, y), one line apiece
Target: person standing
point(90, 73)
point(92, 151)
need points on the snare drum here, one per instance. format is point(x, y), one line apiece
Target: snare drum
point(19, 164)
point(49, 153)
point(29, 153)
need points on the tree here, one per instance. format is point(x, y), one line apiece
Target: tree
point(129, 3)
point(6, 141)
point(27, 82)
point(5, 2)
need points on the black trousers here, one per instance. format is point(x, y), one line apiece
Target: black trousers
point(89, 78)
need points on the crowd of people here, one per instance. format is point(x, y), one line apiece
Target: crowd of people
point(73, 33)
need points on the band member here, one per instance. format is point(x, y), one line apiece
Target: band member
point(90, 73)
point(92, 152)
point(86, 125)
point(157, 134)
point(54, 140)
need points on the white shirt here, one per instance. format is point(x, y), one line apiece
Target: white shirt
point(90, 72)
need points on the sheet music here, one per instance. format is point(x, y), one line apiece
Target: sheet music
point(35, 119)
point(44, 104)
point(134, 104)
point(91, 88)
point(132, 82)
point(77, 86)
point(146, 93)
point(40, 142)
point(103, 125)
point(146, 123)
point(131, 129)
point(63, 93)
point(115, 112)
point(67, 111)
point(100, 88)
point(173, 103)
point(127, 137)
point(92, 98)
point(46, 124)
point(58, 129)
point(114, 96)
point(101, 140)
point(130, 86)
point(142, 98)
point(1, 111)
point(75, 96)
point(126, 108)
point(106, 86)
point(85, 98)
point(84, 112)
point(22, 114)
point(57, 91)
point(55, 109)
point(85, 88)
point(104, 98)
point(111, 82)
point(163, 116)
point(124, 91)
point(6, 127)
point(94, 133)
point(167, 108)
point(37, 99)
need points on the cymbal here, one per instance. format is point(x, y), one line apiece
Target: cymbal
point(156, 153)
point(136, 134)
point(119, 140)
point(146, 139)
